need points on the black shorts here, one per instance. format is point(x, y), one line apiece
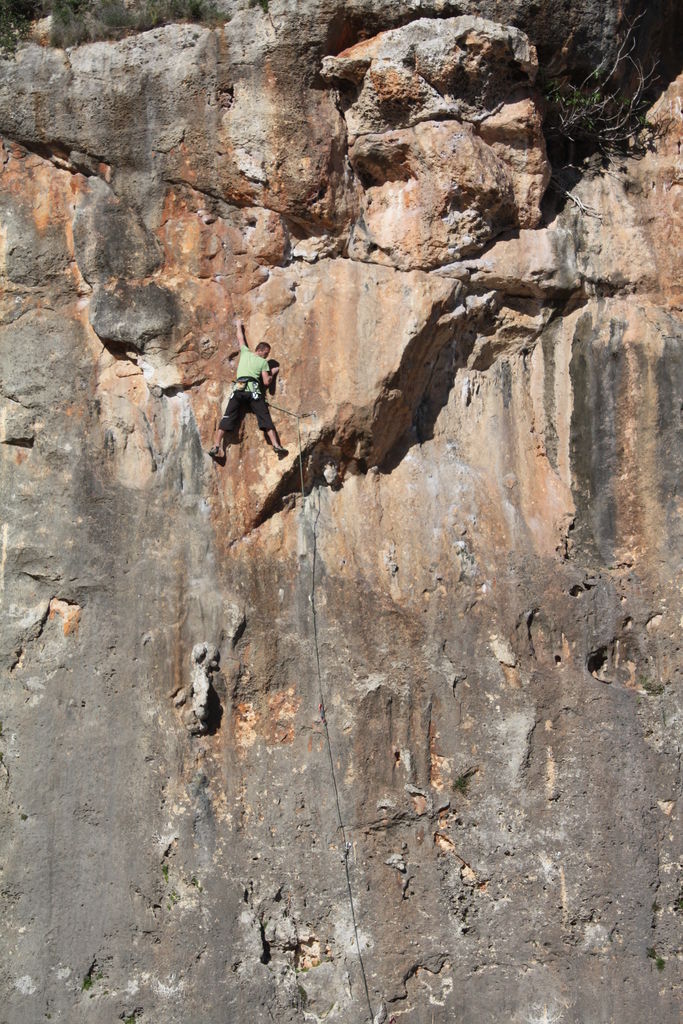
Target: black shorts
point(241, 402)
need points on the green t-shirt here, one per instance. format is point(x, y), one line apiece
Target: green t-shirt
point(251, 365)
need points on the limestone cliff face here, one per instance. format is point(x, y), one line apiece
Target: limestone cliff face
point(475, 603)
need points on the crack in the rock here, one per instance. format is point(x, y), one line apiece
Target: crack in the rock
point(359, 448)
point(33, 634)
point(426, 394)
point(229, 204)
point(439, 116)
point(27, 290)
point(19, 442)
point(39, 577)
point(59, 155)
point(172, 390)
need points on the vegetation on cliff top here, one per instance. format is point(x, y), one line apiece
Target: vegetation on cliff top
point(15, 20)
point(606, 111)
point(83, 21)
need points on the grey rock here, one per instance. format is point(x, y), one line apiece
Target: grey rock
point(536, 263)
point(33, 254)
point(429, 70)
point(235, 622)
point(109, 239)
point(39, 353)
point(205, 659)
point(16, 424)
point(331, 474)
point(132, 314)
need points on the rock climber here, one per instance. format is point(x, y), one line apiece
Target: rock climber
point(254, 374)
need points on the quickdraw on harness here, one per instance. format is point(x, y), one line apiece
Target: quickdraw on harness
point(247, 385)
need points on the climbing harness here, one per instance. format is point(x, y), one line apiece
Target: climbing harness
point(247, 385)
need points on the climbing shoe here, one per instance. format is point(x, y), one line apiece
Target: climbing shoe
point(280, 451)
point(215, 452)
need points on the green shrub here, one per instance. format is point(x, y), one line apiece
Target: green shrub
point(80, 21)
point(15, 19)
point(462, 782)
point(607, 111)
point(653, 689)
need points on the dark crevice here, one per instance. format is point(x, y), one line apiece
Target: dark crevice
point(214, 712)
point(451, 355)
point(369, 438)
point(529, 743)
point(61, 156)
point(523, 629)
point(19, 442)
point(18, 655)
point(337, 447)
point(434, 964)
point(578, 588)
point(119, 350)
point(424, 380)
point(39, 577)
point(220, 205)
point(265, 957)
point(289, 484)
point(398, 818)
point(172, 390)
point(212, 194)
point(299, 229)
point(596, 661)
point(610, 290)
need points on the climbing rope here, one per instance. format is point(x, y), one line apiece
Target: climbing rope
point(346, 845)
point(298, 417)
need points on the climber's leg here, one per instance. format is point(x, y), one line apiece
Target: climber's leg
point(274, 439)
point(231, 418)
point(265, 422)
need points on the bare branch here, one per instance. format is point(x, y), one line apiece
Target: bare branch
point(608, 110)
point(557, 186)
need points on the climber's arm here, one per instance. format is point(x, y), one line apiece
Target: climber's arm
point(269, 376)
point(240, 335)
